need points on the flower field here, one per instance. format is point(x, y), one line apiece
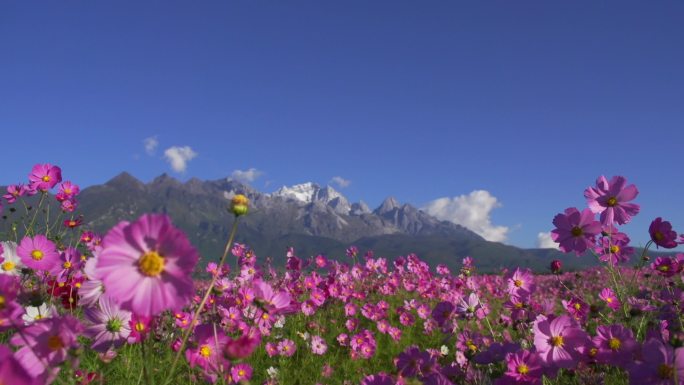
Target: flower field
point(127, 306)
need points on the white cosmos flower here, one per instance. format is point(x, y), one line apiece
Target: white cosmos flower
point(34, 314)
point(11, 264)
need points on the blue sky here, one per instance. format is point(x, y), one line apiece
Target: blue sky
point(529, 101)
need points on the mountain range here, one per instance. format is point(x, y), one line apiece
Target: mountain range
point(311, 218)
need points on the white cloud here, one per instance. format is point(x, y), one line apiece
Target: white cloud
point(151, 144)
point(340, 182)
point(246, 176)
point(544, 241)
point(178, 157)
point(472, 211)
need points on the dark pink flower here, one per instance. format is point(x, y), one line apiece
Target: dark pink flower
point(241, 372)
point(286, 348)
point(659, 364)
point(609, 198)
point(665, 266)
point(575, 230)
point(610, 298)
point(45, 176)
point(662, 234)
point(521, 283)
point(616, 345)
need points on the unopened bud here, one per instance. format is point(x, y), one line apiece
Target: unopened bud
point(239, 205)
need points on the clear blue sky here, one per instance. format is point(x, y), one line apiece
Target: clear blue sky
point(529, 100)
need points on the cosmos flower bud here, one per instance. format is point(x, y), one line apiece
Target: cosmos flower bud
point(556, 266)
point(239, 205)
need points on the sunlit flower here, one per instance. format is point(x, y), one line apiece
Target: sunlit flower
point(147, 265)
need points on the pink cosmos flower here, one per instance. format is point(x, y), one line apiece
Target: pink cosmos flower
point(241, 372)
point(378, 379)
point(577, 308)
point(614, 251)
point(140, 327)
point(659, 364)
point(610, 298)
point(609, 198)
point(14, 192)
point(318, 345)
point(557, 340)
point(471, 307)
point(110, 326)
point(38, 253)
point(521, 283)
point(575, 230)
point(665, 266)
point(522, 367)
point(11, 371)
point(46, 341)
point(616, 345)
point(662, 234)
point(209, 342)
point(45, 176)
point(244, 346)
point(67, 190)
point(286, 348)
point(147, 265)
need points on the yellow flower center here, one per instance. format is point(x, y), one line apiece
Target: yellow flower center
point(37, 255)
point(593, 352)
point(264, 316)
point(577, 306)
point(519, 305)
point(241, 372)
point(615, 249)
point(205, 351)
point(67, 265)
point(151, 264)
point(614, 343)
point(523, 369)
point(612, 201)
point(55, 343)
point(46, 178)
point(2, 302)
point(658, 236)
point(664, 268)
point(665, 371)
point(8, 266)
point(576, 231)
point(139, 327)
point(72, 223)
point(609, 300)
point(67, 191)
point(556, 341)
point(518, 283)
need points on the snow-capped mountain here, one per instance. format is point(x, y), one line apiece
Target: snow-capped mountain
point(311, 193)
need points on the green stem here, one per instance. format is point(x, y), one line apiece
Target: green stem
point(35, 214)
point(186, 334)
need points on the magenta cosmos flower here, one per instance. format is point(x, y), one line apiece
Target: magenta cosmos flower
point(575, 230)
point(146, 265)
point(45, 176)
point(11, 371)
point(662, 234)
point(659, 366)
point(558, 339)
point(47, 341)
point(609, 198)
point(616, 345)
point(38, 253)
point(523, 367)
